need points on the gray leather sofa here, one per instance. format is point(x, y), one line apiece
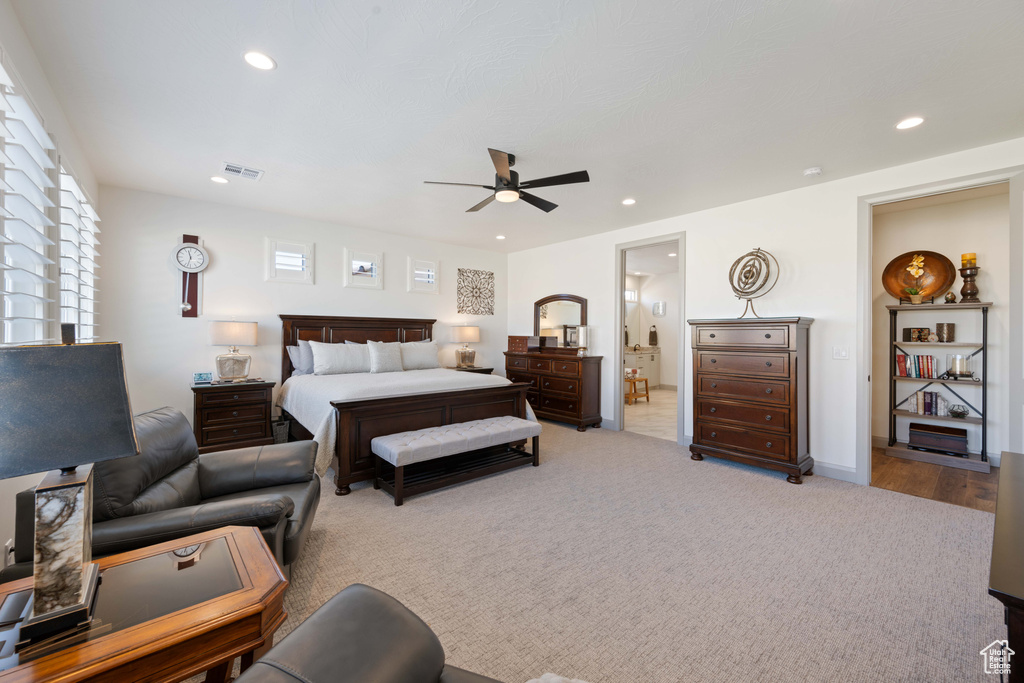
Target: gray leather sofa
point(168, 491)
point(361, 635)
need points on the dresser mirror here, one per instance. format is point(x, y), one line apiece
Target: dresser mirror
point(560, 316)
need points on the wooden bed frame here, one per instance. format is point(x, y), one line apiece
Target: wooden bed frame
point(358, 422)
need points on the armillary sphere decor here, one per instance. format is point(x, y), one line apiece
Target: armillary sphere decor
point(752, 276)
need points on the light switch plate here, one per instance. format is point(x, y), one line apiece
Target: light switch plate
point(840, 353)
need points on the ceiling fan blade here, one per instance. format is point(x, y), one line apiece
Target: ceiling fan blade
point(434, 182)
point(564, 179)
point(542, 204)
point(481, 204)
point(500, 160)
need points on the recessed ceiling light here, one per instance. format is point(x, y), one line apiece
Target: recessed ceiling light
point(673, 254)
point(637, 273)
point(813, 171)
point(912, 122)
point(260, 61)
point(499, 237)
point(628, 202)
point(218, 179)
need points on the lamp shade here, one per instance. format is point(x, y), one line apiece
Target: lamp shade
point(63, 406)
point(232, 333)
point(466, 334)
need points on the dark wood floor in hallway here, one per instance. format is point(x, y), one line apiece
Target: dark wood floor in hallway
point(947, 484)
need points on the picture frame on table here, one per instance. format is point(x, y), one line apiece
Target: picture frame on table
point(364, 269)
point(423, 276)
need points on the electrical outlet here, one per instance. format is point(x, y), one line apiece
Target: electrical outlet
point(840, 353)
point(8, 552)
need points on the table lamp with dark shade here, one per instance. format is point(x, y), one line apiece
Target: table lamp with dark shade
point(63, 408)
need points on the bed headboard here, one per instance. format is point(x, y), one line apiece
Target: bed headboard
point(338, 330)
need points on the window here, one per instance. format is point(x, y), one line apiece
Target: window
point(630, 295)
point(422, 276)
point(78, 255)
point(289, 262)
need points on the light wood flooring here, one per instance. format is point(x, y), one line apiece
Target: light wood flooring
point(656, 418)
point(947, 484)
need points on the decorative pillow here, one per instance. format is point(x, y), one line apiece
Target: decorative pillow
point(419, 356)
point(339, 359)
point(305, 363)
point(385, 356)
point(295, 353)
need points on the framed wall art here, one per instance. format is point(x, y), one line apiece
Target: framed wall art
point(364, 269)
point(423, 276)
point(475, 292)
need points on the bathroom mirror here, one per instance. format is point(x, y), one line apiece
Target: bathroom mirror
point(559, 315)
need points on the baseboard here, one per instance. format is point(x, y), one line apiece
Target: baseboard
point(840, 472)
point(883, 442)
point(609, 424)
point(686, 440)
point(668, 387)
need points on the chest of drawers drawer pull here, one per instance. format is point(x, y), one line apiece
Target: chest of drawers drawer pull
point(714, 360)
point(768, 390)
point(712, 335)
point(714, 410)
point(768, 418)
point(768, 444)
point(767, 336)
point(768, 363)
point(235, 397)
point(234, 413)
point(714, 385)
point(234, 431)
point(714, 434)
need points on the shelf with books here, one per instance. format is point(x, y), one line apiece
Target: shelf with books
point(903, 366)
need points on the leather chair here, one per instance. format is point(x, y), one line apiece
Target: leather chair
point(168, 491)
point(360, 635)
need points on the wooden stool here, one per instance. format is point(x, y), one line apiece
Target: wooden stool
point(632, 394)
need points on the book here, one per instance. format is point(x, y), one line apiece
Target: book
point(920, 403)
point(927, 403)
point(901, 365)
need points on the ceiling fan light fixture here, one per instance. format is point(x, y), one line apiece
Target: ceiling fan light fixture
point(628, 201)
point(506, 195)
point(912, 122)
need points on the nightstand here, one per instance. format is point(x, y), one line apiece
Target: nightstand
point(479, 371)
point(227, 416)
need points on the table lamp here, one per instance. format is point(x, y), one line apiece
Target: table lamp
point(64, 408)
point(233, 366)
point(465, 357)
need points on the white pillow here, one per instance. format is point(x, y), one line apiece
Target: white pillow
point(419, 356)
point(295, 354)
point(339, 359)
point(305, 363)
point(385, 356)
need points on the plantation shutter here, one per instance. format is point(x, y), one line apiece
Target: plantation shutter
point(78, 254)
point(27, 239)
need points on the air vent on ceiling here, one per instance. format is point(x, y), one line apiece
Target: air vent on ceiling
point(239, 171)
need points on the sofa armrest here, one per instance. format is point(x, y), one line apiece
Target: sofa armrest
point(257, 467)
point(128, 533)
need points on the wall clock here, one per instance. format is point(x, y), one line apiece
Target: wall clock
point(191, 259)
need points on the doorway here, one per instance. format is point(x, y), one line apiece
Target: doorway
point(651, 298)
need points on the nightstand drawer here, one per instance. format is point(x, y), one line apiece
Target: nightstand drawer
point(242, 413)
point(733, 363)
point(214, 398)
point(566, 386)
point(234, 433)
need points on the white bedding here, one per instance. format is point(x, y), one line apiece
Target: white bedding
point(308, 397)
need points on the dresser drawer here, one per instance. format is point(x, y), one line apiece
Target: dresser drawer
point(751, 390)
point(513, 376)
point(515, 363)
point(234, 433)
point(774, 446)
point(540, 364)
point(566, 386)
point(214, 398)
point(570, 368)
point(761, 417)
point(560, 405)
point(242, 413)
point(766, 336)
point(739, 363)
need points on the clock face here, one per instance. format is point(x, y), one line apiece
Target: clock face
point(190, 258)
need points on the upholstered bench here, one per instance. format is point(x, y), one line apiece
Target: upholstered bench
point(451, 454)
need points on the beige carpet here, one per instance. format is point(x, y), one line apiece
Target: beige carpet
point(620, 559)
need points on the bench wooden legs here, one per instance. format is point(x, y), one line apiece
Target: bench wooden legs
point(536, 451)
point(399, 488)
point(376, 472)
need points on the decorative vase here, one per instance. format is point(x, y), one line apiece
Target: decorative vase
point(946, 332)
point(915, 298)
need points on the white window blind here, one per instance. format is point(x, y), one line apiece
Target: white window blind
point(289, 262)
point(78, 254)
point(28, 238)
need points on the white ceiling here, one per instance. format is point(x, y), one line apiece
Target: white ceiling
point(681, 104)
point(653, 260)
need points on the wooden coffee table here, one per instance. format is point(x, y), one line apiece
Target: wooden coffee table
point(163, 613)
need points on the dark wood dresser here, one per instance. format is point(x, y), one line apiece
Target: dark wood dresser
point(750, 392)
point(563, 387)
point(227, 416)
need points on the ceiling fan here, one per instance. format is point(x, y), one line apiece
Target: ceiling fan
point(507, 187)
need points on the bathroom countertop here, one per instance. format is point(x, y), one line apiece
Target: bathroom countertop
point(643, 350)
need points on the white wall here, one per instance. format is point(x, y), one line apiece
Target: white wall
point(662, 287)
point(141, 290)
point(976, 225)
point(814, 234)
point(19, 60)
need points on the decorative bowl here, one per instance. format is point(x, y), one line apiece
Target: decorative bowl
point(939, 275)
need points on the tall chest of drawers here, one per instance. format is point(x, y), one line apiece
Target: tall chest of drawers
point(750, 392)
point(563, 387)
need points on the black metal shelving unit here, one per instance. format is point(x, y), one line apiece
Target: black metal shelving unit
point(976, 461)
